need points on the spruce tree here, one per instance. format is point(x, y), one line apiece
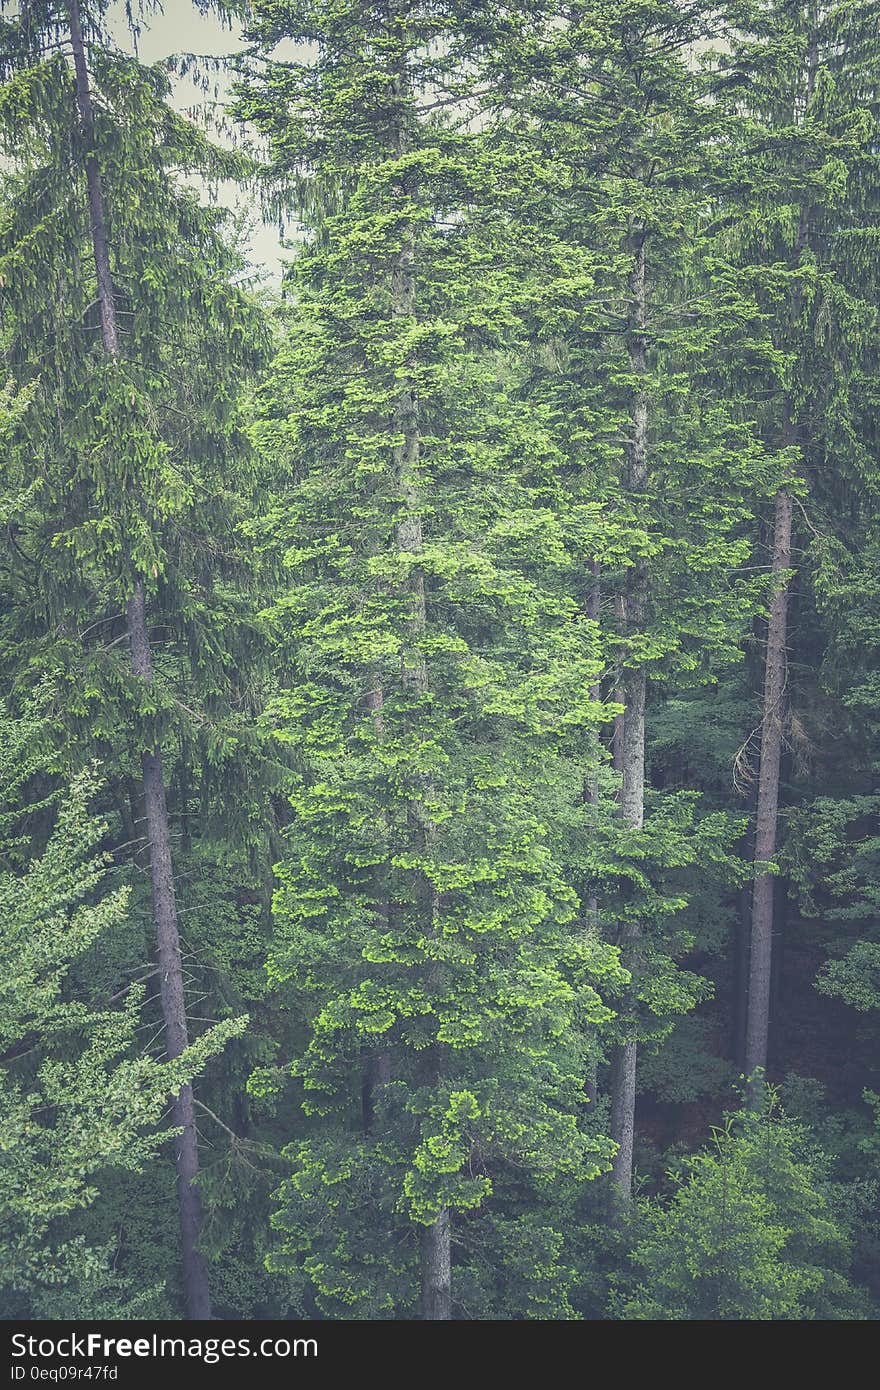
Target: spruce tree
point(749, 1233)
point(79, 1097)
point(132, 412)
point(622, 119)
point(436, 667)
point(803, 78)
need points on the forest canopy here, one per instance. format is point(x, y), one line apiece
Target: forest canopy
point(439, 696)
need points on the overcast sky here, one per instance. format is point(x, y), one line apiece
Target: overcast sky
point(178, 27)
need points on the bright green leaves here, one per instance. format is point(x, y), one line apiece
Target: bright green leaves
point(748, 1233)
point(79, 1097)
point(437, 667)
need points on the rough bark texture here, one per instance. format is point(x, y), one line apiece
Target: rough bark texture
point(195, 1278)
point(436, 1267)
point(775, 674)
point(767, 806)
point(631, 744)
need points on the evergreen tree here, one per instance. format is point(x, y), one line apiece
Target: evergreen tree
point(804, 78)
point(422, 921)
point(748, 1233)
point(132, 411)
point(78, 1095)
point(630, 142)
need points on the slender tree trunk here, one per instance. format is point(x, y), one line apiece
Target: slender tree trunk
point(97, 220)
point(632, 742)
point(591, 799)
point(775, 675)
point(195, 1277)
point(624, 1057)
point(767, 805)
point(436, 1269)
point(171, 986)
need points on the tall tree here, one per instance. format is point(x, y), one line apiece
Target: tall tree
point(171, 984)
point(421, 915)
point(94, 144)
point(612, 96)
point(78, 1097)
point(794, 71)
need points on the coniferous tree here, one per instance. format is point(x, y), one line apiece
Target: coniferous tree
point(748, 1234)
point(613, 97)
point(78, 1095)
point(422, 919)
point(804, 165)
point(127, 421)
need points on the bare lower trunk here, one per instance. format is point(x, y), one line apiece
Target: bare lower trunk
point(436, 1270)
point(171, 988)
point(623, 1113)
point(623, 1061)
point(198, 1302)
point(767, 805)
point(775, 676)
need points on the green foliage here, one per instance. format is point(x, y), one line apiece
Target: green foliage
point(78, 1096)
point(747, 1234)
point(574, 291)
point(436, 685)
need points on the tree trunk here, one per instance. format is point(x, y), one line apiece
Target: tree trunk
point(623, 1061)
point(171, 987)
point(767, 804)
point(97, 220)
point(436, 1270)
point(775, 676)
point(631, 750)
point(195, 1277)
point(591, 799)
point(377, 1073)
